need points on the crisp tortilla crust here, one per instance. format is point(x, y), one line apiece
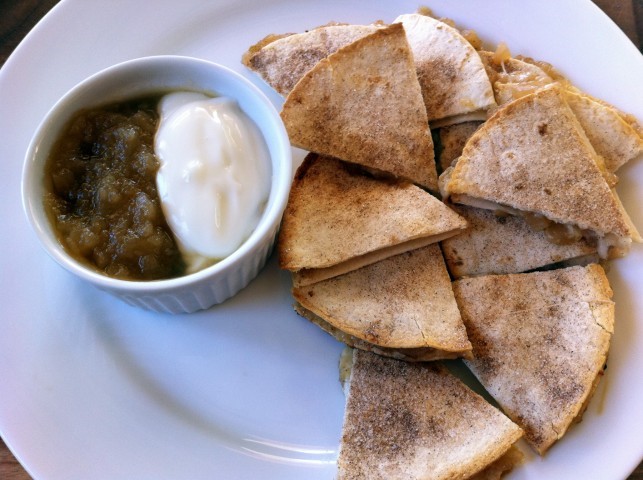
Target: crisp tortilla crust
point(540, 341)
point(610, 134)
point(283, 60)
point(532, 155)
point(613, 135)
point(505, 244)
point(417, 420)
point(363, 105)
point(451, 74)
point(336, 215)
point(405, 301)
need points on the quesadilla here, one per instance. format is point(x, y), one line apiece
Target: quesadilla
point(453, 138)
point(512, 78)
point(283, 60)
point(613, 138)
point(612, 134)
point(402, 307)
point(363, 104)
point(455, 85)
point(338, 219)
point(550, 70)
point(498, 244)
point(540, 343)
point(532, 158)
point(418, 421)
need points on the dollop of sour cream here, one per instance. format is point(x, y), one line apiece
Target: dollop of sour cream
point(214, 175)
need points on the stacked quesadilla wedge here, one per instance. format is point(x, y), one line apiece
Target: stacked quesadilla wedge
point(455, 85)
point(283, 60)
point(532, 158)
point(613, 135)
point(412, 420)
point(339, 219)
point(498, 244)
point(401, 307)
point(540, 343)
point(363, 105)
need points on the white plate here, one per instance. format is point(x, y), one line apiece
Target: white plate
point(93, 389)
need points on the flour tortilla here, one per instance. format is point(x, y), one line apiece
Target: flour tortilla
point(513, 78)
point(417, 421)
point(363, 104)
point(500, 244)
point(402, 306)
point(453, 138)
point(533, 156)
point(453, 79)
point(338, 219)
point(540, 342)
point(282, 61)
point(614, 137)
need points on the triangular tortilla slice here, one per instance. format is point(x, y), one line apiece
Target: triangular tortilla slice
point(363, 105)
point(628, 118)
point(453, 79)
point(453, 138)
point(500, 244)
point(540, 342)
point(401, 307)
point(338, 219)
point(418, 421)
point(612, 135)
point(282, 61)
point(532, 158)
point(513, 78)
point(613, 138)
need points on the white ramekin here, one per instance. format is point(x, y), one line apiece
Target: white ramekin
point(136, 78)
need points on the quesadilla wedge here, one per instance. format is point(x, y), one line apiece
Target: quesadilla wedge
point(540, 343)
point(532, 158)
point(500, 244)
point(613, 138)
point(418, 421)
point(363, 105)
point(455, 85)
point(338, 219)
point(512, 78)
point(283, 60)
point(548, 68)
point(612, 135)
point(453, 138)
point(401, 307)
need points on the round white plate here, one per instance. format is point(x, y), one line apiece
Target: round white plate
point(91, 388)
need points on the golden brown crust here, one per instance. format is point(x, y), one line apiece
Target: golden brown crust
point(450, 72)
point(246, 58)
point(532, 155)
point(363, 104)
point(417, 420)
point(419, 354)
point(500, 244)
point(335, 214)
point(540, 340)
point(613, 138)
point(282, 60)
point(404, 301)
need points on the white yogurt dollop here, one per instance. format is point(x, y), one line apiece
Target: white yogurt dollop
point(214, 175)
